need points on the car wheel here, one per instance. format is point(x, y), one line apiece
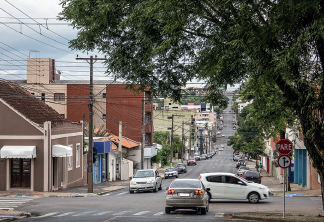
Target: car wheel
point(155, 189)
point(177, 176)
point(131, 191)
point(203, 211)
point(254, 197)
point(167, 210)
point(185, 171)
point(165, 177)
point(209, 197)
point(160, 187)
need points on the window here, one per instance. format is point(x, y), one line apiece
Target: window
point(104, 95)
point(215, 179)
point(63, 115)
point(43, 97)
point(70, 160)
point(148, 139)
point(233, 180)
point(33, 94)
point(59, 96)
point(77, 155)
point(104, 116)
point(169, 104)
point(147, 118)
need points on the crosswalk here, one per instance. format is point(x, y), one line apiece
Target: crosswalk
point(93, 214)
point(10, 203)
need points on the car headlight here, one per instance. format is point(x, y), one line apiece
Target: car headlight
point(150, 181)
point(133, 183)
point(262, 188)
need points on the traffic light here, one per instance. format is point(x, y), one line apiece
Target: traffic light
point(94, 159)
point(94, 152)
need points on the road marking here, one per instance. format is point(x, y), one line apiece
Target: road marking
point(75, 215)
point(106, 194)
point(62, 215)
point(47, 215)
point(121, 213)
point(110, 219)
point(159, 213)
point(219, 215)
point(141, 213)
point(121, 193)
point(102, 213)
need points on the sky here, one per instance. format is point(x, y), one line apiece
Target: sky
point(29, 28)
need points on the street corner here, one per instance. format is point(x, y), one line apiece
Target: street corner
point(10, 215)
point(278, 216)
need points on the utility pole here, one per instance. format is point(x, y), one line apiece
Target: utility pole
point(90, 152)
point(190, 139)
point(143, 134)
point(182, 143)
point(120, 147)
point(171, 150)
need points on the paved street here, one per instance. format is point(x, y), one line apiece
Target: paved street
point(148, 206)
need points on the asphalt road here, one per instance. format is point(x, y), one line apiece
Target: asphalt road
point(148, 206)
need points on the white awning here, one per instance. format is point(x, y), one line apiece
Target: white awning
point(27, 152)
point(61, 151)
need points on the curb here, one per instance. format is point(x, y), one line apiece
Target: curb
point(109, 191)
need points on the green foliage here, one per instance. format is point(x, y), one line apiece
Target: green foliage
point(161, 45)
point(249, 137)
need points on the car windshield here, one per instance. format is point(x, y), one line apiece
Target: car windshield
point(185, 184)
point(244, 168)
point(145, 173)
point(179, 165)
point(169, 169)
point(251, 173)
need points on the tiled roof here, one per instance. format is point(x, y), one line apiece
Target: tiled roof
point(29, 106)
point(125, 141)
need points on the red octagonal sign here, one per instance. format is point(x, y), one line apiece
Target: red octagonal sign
point(284, 146)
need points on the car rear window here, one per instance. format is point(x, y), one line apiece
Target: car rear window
point(185, 184)
point(251, 173)
point(170, 169)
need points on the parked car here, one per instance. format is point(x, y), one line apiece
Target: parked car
point(144, 180)
point(170, 172)
point(191, 161)
point(209, 155)
point(222, 146)
point(231, 186)
point(181, 168)
point(240, 162)
point(237, 157)
point(223, 135)
point(203, 157)
point(242, 170)
point(218, 133)
point(197, 158)
point(252, 176)
point(186, 194)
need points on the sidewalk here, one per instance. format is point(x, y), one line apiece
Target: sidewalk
point(276, 187)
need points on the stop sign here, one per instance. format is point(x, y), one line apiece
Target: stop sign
point(284, 146)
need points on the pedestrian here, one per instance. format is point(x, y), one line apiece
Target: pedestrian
point(260, 167)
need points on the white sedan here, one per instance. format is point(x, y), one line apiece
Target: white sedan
point(231, 186)
point(223, 135)
point(218, 133)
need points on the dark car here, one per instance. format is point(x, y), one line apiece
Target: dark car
point(240, 163)
point(181, 168)
point(252, 176)
point(209, 155)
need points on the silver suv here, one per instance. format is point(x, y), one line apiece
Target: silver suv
point(144, 180)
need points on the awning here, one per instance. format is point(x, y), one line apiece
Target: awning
point(27, 152)
point(61, 151)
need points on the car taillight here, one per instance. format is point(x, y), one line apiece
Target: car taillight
point(259, 178)
point(199, 178)
point(171, 191)
point(244, 177)
point(198, 192)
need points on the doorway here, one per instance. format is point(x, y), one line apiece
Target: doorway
point(20, 172)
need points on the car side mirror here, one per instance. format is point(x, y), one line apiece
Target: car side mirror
point(130, 178)
point(167, 188)
point(208, 189)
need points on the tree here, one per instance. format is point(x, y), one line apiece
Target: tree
point(249, 137)
point(164, 44)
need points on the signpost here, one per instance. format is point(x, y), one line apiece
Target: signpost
point(284, 147)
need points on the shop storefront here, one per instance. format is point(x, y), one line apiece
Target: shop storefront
point(101, 165)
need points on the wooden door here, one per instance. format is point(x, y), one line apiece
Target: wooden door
point(20, 172)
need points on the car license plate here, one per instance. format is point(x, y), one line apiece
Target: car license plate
point(184, 194)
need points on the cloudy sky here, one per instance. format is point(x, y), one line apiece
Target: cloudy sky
point(24, 34)
point(23, 28)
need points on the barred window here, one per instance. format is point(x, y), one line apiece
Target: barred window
point(59, 96)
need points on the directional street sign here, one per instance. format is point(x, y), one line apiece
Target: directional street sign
point(284, 161)
point(284, 146)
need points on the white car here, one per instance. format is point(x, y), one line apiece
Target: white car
point(231, 186)
point(218, 133)
point(223, 135)
point(144, 180)
point(221, 149)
